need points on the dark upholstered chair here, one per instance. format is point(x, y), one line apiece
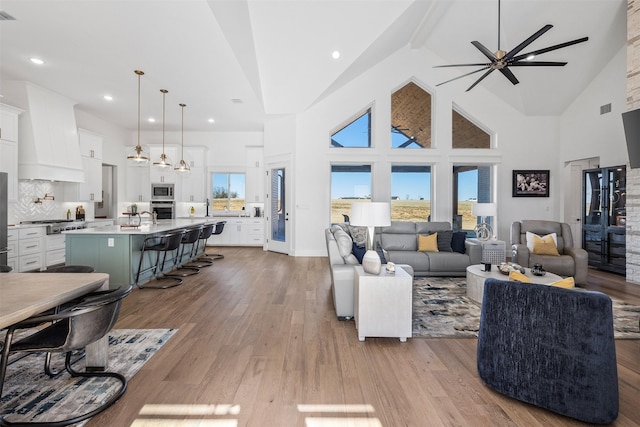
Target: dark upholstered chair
point(551, 347)
point(162, 244)
point(73, 329)
point(219, 228)
point(573, 261)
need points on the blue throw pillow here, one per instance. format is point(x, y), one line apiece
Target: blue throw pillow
point(359, 251)
point(457, 241)
point(383, 260)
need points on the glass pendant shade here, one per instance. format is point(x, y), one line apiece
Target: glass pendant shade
point(164, 161)
point(182, 167)
point(138, 155)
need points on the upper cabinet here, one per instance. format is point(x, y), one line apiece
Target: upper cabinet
point(192, 186)
point(9, 148)
point(90, 190)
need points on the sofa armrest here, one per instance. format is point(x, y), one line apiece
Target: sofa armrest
point(581, 260)
point(474, 250)
point(520, 254)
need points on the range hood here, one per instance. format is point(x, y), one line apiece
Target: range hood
point(48, 148)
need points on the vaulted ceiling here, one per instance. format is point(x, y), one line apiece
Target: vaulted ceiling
point(238, 61)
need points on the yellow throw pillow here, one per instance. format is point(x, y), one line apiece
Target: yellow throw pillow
point(428, 243)
point(517, 276)
point(544, 245)
point(564, 283)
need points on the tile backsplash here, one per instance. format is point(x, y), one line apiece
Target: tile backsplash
point(25, 208)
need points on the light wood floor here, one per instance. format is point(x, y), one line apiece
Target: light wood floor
point(258, 344)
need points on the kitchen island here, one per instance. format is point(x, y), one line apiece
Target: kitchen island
point(116, 250)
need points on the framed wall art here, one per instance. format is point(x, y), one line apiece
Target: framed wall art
point(530, 183)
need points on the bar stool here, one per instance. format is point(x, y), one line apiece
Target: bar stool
point(200, 255)
point(217, 230)
point(5, 269)
point(169, 242)
point(190, 238)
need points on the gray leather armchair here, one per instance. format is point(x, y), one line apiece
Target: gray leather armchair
point(573, 261)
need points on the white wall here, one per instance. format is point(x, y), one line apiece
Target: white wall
point(515, 149)
point(584, 132)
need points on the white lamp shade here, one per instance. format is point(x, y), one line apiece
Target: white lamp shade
point(484, 209)
point(370, 214)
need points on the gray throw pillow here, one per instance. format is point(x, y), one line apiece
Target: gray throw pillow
point(444, 241)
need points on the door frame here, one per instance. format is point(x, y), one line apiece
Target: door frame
point(270, 244)
point(573, 190)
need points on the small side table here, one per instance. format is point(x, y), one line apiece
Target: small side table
point(383, 304)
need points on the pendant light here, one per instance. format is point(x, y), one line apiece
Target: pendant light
point(183, 166)
point(164, 162)
point(138, 155)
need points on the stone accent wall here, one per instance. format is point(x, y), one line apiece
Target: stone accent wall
point(633, 175)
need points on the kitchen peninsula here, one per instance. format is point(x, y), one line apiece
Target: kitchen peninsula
point(116, 250)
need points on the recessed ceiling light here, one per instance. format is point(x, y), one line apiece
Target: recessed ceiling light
point(335, 54)
point(37, 61)
point(108, 97)
point(151, 120)
point(211, 120)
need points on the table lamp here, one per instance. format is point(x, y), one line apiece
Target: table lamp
point(483, 230)
point(371, 215)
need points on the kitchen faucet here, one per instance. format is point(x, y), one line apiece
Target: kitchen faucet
point(154, 216)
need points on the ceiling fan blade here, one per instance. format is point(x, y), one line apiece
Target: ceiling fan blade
point(464, 75)
point(537, 64)
point(480, 79)
point(550, 48)
point(484, 50)
point(508, 74)
point(484, 64)
point(513, 52)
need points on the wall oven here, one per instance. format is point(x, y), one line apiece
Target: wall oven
point(165, 209)
point(162, 191)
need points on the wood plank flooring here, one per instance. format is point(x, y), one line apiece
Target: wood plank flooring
point(258, 344)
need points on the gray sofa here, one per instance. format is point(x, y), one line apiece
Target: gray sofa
point(400, 246)
point(342, 263)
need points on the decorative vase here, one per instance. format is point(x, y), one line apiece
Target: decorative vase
point(371, 262)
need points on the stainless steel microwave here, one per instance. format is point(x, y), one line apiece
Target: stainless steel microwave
point(162, 192)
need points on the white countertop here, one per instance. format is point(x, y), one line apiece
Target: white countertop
point(146, 227)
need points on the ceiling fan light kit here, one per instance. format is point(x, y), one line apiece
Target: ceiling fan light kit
point(501, 60)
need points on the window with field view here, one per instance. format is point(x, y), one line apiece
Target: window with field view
point(228, 191)
point(411, 117)
point(349, 183)
point(471, 184)
point(356, 134)
point(410, 192)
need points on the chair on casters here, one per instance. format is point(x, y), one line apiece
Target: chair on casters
point(190, 237)
point(90, 320)
point(219, 226)
point(169, 242)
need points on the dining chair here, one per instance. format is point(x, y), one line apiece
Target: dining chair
point(73, 329)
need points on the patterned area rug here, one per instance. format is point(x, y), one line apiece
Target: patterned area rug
point(30, 395)
point(441, 309)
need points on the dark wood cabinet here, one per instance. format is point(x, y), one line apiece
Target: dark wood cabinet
point(604, 218)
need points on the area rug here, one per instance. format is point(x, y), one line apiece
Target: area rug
point(441, 309)
point(30, 395)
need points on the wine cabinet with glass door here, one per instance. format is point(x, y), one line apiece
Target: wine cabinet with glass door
point(604, 218)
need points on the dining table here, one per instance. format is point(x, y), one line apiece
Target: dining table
point(23, 295)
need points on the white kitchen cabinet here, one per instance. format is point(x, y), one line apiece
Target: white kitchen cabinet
point(243, 231)
point(9, 148)
point(192, 185)
point(163, 175)
point(12, 248)
point(30, 248)
point(138, 186)
point(91, 153)
point(55, 249)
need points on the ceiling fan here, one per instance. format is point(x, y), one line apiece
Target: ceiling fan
point(501, 60)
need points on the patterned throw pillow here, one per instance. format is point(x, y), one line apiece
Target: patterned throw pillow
point(359, 234)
